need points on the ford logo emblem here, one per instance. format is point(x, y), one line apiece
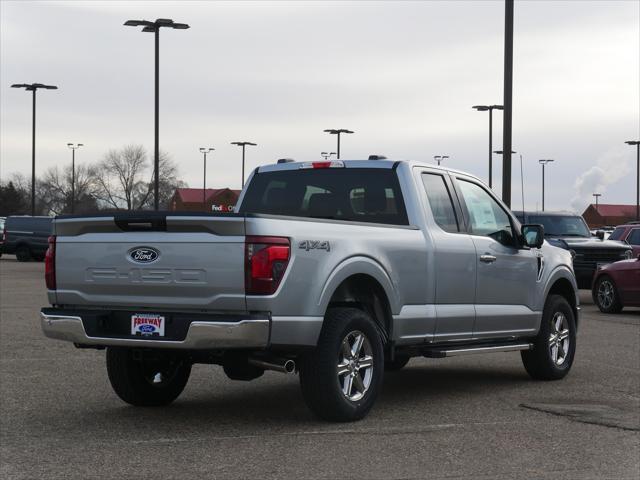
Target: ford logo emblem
point(144, 255)
point(147, 328)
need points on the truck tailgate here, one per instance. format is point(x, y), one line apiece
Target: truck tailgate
point(152, 260)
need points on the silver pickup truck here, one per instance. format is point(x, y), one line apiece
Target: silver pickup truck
point(336, 270)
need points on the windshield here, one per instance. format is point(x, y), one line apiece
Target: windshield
point(617, 233)
point(562, 226)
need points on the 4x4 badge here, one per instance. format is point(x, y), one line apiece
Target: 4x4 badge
point(314, 245)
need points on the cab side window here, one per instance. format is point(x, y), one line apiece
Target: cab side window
point(486, 216)
point(440, 202)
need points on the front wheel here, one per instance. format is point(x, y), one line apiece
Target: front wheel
point(342, 377)
point(555, 345)
point(147, 380)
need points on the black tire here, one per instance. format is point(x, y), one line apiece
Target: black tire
point(399, 362)
point(322, 386)
point(135, 379)
point(605, 295)
point(539, 362)
point(23, 254)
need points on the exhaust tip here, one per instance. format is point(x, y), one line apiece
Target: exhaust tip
point(289, 366)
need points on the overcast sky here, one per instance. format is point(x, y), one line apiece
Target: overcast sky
point(402, 75)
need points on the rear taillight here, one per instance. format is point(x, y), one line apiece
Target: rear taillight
point(266, 260)
point(50, 264)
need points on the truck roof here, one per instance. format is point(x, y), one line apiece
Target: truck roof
point(359, 163)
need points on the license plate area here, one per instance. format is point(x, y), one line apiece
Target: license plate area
point(148, 325)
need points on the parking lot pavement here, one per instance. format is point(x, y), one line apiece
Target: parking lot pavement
point(475, 417)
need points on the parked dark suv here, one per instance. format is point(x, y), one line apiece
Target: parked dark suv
point(569, 231)
point(26, 237)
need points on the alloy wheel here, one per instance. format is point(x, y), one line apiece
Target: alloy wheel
point(559, 338)
point(355, 365)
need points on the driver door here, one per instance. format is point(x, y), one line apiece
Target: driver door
point(506, 276)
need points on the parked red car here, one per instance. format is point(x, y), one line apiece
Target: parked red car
point(617, 285)
point(629, 234)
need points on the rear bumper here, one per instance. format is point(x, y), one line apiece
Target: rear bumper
point(201, 335)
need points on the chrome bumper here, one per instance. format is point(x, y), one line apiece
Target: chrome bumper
point(253, 333)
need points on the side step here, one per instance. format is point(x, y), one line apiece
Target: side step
point(453, 350)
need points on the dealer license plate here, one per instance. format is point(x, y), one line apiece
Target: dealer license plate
point(147, 325)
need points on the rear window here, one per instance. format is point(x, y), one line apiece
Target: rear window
point(360, 195)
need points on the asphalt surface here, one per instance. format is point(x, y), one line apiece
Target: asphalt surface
point(475, 417)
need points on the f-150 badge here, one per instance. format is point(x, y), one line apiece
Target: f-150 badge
point(314, 245)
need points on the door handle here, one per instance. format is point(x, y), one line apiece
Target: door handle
point(487, 258)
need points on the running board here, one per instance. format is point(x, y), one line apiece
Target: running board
point(451, 351)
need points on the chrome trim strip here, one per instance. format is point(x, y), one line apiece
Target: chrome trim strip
point(252, 333)
point(502, 348)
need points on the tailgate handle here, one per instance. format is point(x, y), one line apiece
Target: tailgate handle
point(141, 224)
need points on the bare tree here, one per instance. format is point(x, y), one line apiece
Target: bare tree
point(23, 185)
point(125, 179)
point(56, 189)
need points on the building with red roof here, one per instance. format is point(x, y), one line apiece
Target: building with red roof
point(608, 215)
point(214, 200)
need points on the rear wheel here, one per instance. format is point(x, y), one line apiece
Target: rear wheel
point(342, 377)
point(605, 295)
point(147, 380)
point(555, 345)
point(23, 254)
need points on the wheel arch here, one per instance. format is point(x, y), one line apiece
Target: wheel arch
point(367, 288)
point(564, 287)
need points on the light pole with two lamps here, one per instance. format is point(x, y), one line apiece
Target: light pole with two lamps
point(204, 151)
point(543, 162)
point(338, 131)
point(73, 147)
point(154, 27)
point(490, 109)
point(33, 87)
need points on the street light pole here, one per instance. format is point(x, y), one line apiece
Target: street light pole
point(243, 144)
point(338, 131)
point(73, 148)
point(543, 162)
point(154, 27)
point(490, 109)
point(637, 145)
point(33, 87)
point(508, 90)
point(597, 195)
point(204, 177)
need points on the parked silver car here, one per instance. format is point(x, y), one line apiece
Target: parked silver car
point(338, 270)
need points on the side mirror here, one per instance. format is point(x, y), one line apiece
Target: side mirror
point(533, 235)
point(600, 234)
